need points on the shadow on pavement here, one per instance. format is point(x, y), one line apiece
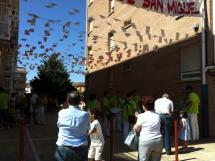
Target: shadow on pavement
point(131, 156)
point(203, 141)
point(189, 159)
point(189, 150)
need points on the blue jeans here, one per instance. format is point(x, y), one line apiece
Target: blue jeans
point(166, 131)
point(64, 153)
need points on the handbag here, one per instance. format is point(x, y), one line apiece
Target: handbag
point(132, 140)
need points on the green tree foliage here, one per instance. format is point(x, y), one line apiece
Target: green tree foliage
point(52, 79)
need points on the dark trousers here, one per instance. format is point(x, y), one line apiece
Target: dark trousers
point(64, 153)
point(3, 117)
point(166, 131)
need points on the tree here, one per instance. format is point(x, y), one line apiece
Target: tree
point(52, 79)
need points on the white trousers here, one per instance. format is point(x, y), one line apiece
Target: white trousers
point(194, 126)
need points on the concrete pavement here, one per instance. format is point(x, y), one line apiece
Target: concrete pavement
point(200, 151)
point(40, 145)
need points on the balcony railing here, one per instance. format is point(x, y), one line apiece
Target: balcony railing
point(7, 83)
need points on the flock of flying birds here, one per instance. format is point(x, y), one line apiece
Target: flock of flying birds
point(76, 61)
point(31, 54)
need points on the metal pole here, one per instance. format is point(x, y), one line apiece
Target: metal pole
point(86, 27)
point(204, 89)
point(203, 45)
point(176, 138)
point(86, 53)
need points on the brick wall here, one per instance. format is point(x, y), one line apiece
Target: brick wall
point(151, 72)
point(148, 29)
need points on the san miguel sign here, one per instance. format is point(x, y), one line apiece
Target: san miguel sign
point(169, 7)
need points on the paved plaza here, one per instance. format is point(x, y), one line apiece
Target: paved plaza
point(40, 145)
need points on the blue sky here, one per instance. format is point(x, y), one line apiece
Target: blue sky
point(73, 45)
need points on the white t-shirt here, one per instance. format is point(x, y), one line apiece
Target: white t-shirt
point(150, 125)
point(163, 106)
point(97, 137)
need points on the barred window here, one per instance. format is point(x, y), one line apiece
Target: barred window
point(190, 62)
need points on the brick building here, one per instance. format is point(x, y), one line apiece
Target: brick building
point(130, 48)
point(9, 18)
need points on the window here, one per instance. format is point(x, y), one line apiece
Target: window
point(7, 83)
point(127, 23)
point(90, 50)
point(5, 20)
point(190, 62)
point(111, 42)
point(90, 25)
point(111, 6)
point(8, 63)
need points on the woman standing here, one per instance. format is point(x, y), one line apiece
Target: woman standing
point(128, 114)
point(150, 139)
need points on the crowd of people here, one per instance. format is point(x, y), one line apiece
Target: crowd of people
point(17, 106)
point(78, 120)
point(150, 117)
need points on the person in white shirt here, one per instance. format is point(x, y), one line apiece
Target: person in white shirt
point(73, 125)
point(96, 138)
point(164, 107)
point(150, 139)
point(33, 108)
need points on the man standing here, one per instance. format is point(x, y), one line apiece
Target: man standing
point(193, 103)
point(116, 106)
point(137, 99)
point(128, 114)
point(73, 125)
point(164, 107)
point(106, 113)
point(33, 108)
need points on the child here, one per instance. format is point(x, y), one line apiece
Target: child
point(96, 138)
point(184, 131)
